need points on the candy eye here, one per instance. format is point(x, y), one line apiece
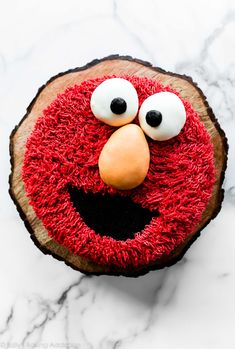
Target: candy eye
point(162, 116)
point(115, 102)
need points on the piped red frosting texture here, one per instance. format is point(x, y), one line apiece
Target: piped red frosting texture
point(63, 149)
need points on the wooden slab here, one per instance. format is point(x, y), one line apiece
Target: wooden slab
point(111, 65)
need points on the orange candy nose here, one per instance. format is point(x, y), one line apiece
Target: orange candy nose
point(124, 159)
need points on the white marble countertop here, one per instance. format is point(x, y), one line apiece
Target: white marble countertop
point(44, 303)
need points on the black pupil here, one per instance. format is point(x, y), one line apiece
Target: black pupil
point(118, 105)
point(153, 118)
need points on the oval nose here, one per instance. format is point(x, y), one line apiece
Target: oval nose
point(124, 159)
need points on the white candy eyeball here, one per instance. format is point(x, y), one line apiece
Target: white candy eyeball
point(115, 102)
point(162, 116)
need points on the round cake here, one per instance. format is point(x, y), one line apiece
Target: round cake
point(117, 167)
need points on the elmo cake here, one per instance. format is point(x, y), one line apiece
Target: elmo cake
point(117, 167)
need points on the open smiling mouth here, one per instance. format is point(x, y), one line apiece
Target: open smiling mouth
point(111, 215)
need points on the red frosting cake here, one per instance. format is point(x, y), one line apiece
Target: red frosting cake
point(120, 172)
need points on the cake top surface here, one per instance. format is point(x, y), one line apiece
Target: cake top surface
point(122, 228)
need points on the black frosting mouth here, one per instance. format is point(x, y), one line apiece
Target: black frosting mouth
point(111, 215)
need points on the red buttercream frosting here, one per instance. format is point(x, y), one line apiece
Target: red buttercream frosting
point(63, 149)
